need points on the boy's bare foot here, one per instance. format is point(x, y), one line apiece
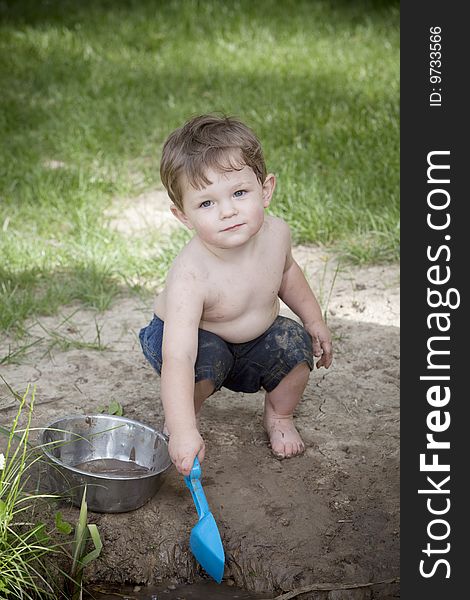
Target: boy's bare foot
point(283, 435)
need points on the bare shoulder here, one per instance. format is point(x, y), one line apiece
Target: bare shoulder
point(187, 274)
point(276, 226)
point(183, 297)
point(279, 234)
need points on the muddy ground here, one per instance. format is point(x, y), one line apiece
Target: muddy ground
point(329, 516)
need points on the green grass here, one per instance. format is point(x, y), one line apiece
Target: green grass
point(27, 553)
point(31, 551)
point(97, 86)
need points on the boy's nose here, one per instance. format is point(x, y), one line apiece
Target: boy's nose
point(228, 209)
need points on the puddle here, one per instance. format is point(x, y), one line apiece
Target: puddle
point(196, 591)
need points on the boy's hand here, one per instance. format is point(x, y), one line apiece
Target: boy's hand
point(183, 447)
point(321, 340)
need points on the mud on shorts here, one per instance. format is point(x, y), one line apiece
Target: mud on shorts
point(247, 367)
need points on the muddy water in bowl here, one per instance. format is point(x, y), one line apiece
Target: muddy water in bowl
point(121, 461)
point(113, 466)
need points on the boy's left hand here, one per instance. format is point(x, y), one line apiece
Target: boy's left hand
point(321, 340)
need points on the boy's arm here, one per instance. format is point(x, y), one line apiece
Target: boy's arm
point(184, 304)
point(297, 294)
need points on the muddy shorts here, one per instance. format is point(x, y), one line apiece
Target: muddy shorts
point(260, 363)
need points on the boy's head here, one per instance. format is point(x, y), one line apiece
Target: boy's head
point(208, 142)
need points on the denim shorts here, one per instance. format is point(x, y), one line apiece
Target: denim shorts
point(247, 367)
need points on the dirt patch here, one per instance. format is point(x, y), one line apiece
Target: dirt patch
point(150, 210)
point(328, 516)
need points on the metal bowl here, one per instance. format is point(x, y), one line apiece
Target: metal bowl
point(122, 462)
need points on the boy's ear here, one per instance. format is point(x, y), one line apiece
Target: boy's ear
point(179, 214)
point(268, 189)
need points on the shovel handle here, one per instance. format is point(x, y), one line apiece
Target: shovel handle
point(193, 482)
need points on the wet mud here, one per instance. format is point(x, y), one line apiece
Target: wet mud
point(197, 591)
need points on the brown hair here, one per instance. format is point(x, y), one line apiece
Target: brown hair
point(208, 142)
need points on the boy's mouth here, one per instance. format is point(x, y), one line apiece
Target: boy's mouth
point(233, 227)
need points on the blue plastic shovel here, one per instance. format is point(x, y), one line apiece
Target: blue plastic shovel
point(204, 541)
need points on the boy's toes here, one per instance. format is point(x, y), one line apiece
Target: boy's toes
point(293, 449)
point(278, 450)
point(289, 450)
point(284, 438)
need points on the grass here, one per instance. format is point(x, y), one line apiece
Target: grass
point(66, 342)
point(29, 554)
point(85, 535)
point(26, 550)
point(90, 90)
point(64, 335)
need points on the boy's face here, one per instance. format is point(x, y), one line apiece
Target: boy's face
point(230, 210)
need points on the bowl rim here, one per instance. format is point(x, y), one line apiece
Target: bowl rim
point(59, 463)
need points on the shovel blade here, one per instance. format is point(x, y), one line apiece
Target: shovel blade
point(206, 545)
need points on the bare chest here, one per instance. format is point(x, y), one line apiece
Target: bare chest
point(244, 288)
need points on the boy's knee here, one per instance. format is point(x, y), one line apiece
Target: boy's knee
point(203, 389)
point(289, 340)
point(290, 352)
point(300, 374)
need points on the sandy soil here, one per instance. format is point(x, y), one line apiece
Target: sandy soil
point(330, 515)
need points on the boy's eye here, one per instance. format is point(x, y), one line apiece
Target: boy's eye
point(239, 193)
point(205, 204)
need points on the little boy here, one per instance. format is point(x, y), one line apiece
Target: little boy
point(217, 321)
